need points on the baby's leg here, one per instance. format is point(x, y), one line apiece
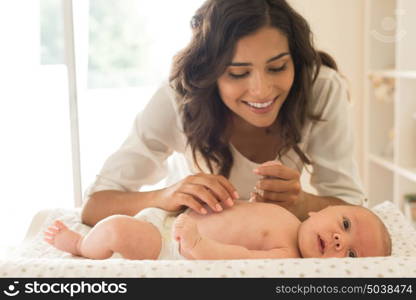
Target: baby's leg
point(132, 238)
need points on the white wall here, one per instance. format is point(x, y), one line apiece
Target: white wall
point(338, 27)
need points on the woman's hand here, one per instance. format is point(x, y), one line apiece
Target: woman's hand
point(196, 190)
point(278, 184)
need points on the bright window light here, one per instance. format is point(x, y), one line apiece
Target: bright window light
point(123, 51)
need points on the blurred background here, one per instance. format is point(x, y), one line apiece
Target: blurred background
point(123, 51)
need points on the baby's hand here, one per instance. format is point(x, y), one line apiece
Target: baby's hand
point(185, 231)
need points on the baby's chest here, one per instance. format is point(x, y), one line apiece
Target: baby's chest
point(270, 238)
point(255, 235)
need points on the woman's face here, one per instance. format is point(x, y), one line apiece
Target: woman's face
point(258, 80)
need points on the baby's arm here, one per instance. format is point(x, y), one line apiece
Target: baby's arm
point(200, 247)
point(209, 249)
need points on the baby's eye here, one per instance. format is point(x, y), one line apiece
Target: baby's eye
point(351, 253)
point(346, 223)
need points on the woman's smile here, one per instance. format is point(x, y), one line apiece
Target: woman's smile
point(261, 107)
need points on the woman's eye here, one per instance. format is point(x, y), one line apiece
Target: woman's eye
point(351, 254)
point(276, 70)
point(233, 75)
point(242, 75)
point(346, 224)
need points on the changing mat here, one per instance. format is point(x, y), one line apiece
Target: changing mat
point(36, 258)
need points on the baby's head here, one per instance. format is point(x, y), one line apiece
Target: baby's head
point(343, 231)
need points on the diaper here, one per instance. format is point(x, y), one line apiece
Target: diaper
point(163, 220)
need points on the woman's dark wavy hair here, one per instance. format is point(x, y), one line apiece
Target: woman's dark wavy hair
point(217, 26)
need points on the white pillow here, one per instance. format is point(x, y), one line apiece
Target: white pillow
point(403, 234)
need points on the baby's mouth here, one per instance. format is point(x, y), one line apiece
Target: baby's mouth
point(321, 244)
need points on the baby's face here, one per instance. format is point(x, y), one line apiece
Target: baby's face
point(341, 231)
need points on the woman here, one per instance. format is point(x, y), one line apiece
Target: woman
point(249, 103)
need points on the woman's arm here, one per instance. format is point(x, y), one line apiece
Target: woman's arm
point(301, 204)
point(281, 185)
point(140, 161)
point(193, 191)
point(310, 202)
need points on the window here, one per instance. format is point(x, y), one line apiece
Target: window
point(122, 58)
point(36, 153)
point(123, 52)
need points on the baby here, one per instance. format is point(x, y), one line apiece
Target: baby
point(244, 231)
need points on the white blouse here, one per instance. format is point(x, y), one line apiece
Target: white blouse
point(157, 133)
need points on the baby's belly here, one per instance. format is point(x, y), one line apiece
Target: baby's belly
point(244, 225)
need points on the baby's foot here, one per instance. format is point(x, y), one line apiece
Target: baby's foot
point(62, 238)
point(185, 231)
